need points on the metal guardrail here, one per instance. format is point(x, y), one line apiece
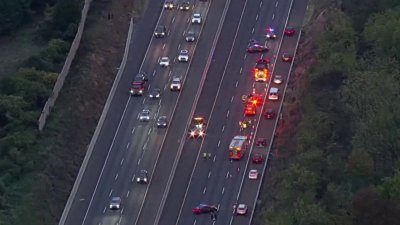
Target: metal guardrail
point(65, 70)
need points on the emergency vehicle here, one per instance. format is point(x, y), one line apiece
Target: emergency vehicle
point(261, 70)
point(238, 145)
point(198, 127)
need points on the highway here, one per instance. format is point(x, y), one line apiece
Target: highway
point(220, 181)
point(135, 145)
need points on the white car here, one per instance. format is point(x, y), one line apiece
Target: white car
point(273, 94)
point(115, 203)
point(183, 56)
point(144, 115)
point(278, 79)
point(241, 209)
point(253, 174)
point(164, 62)
point(196, 18)
point(175, 84)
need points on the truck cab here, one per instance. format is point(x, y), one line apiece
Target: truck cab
point(138, 85)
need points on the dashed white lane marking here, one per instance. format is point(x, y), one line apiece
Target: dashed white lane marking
point(219, 142)
point(159, 103)
point(209, 174)
point(104, 210)
point(144, 146)
point(262, 55)
point(237, 82)
point(204, 190)
point(252, 31)
point(163, 46)
point(148, 133)
point(133, 178)
point(273, 16)
point(149, 87)
point(154, 72)
point(127, 146)
point(194, 223)
point(276, 4)
point(143, 101)
point(119, 222)
point(179, 46)
point(241, 69)
point(122, 210)
point(227, 114)
point(139, 161)
point(133, 130)
point(223, 190)
point(215, 157)
point(111, 191)
point(260, 4)
point(257, 17)
point(245, 55)
point(223, 128)
point(227, 175)
point(127, 194)
point(122, 162)
point(116, 176)
point(232, 99)
point(170, 72)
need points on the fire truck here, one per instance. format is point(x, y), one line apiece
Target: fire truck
point(261, 70)
point(198, 127)
point(238, 145)
point(138, 84)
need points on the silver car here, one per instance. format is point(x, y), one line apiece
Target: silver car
point(278, 79)
point(115, 203)
point(144, 115)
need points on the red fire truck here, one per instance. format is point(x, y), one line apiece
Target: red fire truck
point(238, 146)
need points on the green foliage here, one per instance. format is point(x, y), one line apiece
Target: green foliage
point(12, 14)
point(390, 187)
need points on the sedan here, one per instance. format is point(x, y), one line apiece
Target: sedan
point(169, 5)
point(261, 142)
point(144, 115)
point(255, 48)
point(241, 209)
point(164, 62)
point(115, 203)
point(286, 57)
point(269, 114)
point(142, 178)
point(278, 79)
point(183, 55)
point(155, 93)
point(289, 31)
point(190, 36)
point(162, 122)
point(257, 159)
point(204, 208)
point(185, 6)
point(253, 174)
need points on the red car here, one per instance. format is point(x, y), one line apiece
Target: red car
point(256, 47)
point(250, 110)
point(289, 31)
point(286, 57)
point(269, 114)
point(257, 159)
point(261, 142)
point(204, 208)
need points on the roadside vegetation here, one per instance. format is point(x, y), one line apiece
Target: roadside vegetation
point(341, 164)
point(24, 90)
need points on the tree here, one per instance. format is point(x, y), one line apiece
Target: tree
point(390, 188)
point(12, 14)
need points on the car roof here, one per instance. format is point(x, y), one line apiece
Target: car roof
point(145, 110)
point(196, 14)
point(184, 51)
point(162, 117)
point(242, 206)
point(176, 78)
point(115, 198)
point(253, 171)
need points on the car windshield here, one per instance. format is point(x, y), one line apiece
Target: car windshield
point(261, 66)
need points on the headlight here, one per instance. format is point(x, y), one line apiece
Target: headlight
point(131, 91)
point(141, 91)
point(162, 33)
point(145, 179)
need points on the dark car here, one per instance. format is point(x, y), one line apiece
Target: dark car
point(262, 64)
point(261, 142)
point(155, 93)
point(160, 31)
point(190, 36)
point(185, 6)
point(286, 57)
point(289, 31)
point(257, 158)
point(269, 114)
point(256, 47)
point(142, 177)
point(169, 4)
point(204, 208)
point(162, 122)
point(270, 33)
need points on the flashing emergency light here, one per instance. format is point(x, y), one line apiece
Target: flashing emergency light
point(192, 133)
point(201, 133)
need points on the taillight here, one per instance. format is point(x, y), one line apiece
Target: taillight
point(230, 153)
point(238, 154)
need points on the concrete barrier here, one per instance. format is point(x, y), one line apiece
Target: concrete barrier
point(65, 70)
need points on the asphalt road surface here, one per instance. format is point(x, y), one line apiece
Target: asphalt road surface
point(126, 145)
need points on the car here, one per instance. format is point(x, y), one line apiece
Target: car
point(197, 129)
point(115, 203)
point(241, 209)
point(261, 142)
point(250, 110)
point(183, 56)
point(144, 115)
point(142, 177)
point(253, 174)
point(278, 79)
point(269, 114)
point(257, 158)
point(185, 6)
point(196, 18)
point(162, 122)
point(286, 57)
point(155, 93)
point(289, 31)
point(175, 84)
point(190, 36)
point(270, 33)
point(169, 5)
point(138, 85)
point(204, 208)
point(256, 48)
point(273, 94)
point(160, 31)
point(164, 61)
